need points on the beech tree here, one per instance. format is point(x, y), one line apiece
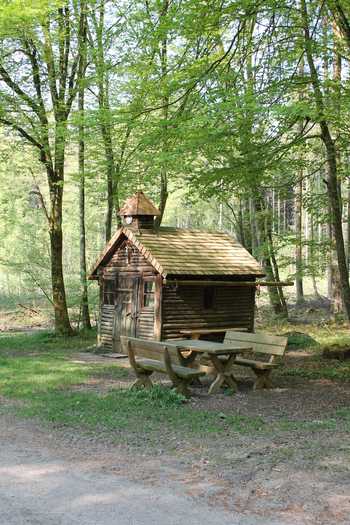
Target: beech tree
point(39, 59)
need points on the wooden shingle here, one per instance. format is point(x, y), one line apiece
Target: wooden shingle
point(138, 205)
point(175, 251)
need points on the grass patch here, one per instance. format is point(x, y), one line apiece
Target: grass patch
point(44, 341)
point(320, 335)
point(298, 340)
point(43, 376)
point(38, 370)
point(156, 411)
point(27, 377)
point(336, 372)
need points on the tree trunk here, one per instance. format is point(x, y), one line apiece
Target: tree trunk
point(165, 112)
point(62, 324)
point(332, 180)
point(311, 250)
point(110, 171)
point(241, 230)
point(105, 118)
point(348, 226)
point(281, 306)
point(299, 218)
point(163, 197)
point(85, 314)
point(264, 220)
point(299, 240)
point(253, 228)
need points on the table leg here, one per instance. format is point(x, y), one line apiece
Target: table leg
point(224, 371)
point(188, 359)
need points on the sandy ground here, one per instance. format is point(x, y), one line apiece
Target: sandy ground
point(43, 482)
point(58, 476)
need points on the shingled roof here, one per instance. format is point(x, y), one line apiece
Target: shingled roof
point(175, 251)
point(137, 205)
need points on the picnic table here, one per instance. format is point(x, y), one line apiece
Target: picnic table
point(213, 351)
point(195, 333)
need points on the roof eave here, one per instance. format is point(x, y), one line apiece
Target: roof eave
point(105, 254)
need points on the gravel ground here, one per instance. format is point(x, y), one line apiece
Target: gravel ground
point(42, 482)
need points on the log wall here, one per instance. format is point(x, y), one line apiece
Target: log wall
point(106, 326)
point(182, 309)
point(126, 266)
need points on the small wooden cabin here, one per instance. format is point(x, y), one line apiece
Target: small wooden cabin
point(155, 282)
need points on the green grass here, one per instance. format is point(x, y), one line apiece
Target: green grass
point(335, 372)
point(39, 371)
point(28, 377)
point(156, 411)
point(324, 334)
point(44, 341)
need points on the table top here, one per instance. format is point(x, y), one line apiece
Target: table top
point(206, 331)
point(210, 347)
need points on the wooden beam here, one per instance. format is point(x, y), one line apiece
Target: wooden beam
point(253, 284)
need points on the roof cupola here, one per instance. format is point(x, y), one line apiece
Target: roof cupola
point(138, 212)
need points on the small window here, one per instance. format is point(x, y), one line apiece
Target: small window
point(108, 291)
point(148, 293)
point(208, 298)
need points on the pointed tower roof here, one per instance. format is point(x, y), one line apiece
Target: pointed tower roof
point(138, 204)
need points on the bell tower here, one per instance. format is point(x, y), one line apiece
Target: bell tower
point(138, 212)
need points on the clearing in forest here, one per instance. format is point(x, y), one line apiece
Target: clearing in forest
point(280, 453)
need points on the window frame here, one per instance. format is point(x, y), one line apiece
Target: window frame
point(109, 291)
point(209, 298)
point(148, 294)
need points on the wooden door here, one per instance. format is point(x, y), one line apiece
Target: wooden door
point(127, 308)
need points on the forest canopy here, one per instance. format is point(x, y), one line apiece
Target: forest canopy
point(230, 115)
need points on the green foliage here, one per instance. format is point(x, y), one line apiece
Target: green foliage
point(214, 104)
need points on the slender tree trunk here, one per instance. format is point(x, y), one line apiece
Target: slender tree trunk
point(348, 226)
point(264, 222)
point(112, 170)
point(163, 196)
point(241, 229)
point(85, 314)
point(253, 228)
point(312, 256)
point(299, 219)
point(165, 102)
point(332, 176)
point(282, 308)
point(299, 240)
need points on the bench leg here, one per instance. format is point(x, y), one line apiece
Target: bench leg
point(180, 384)
point(143, 379)
point(182, 388)
point(263, 379)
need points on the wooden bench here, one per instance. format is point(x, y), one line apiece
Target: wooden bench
point(265, 350)
point(147, 357)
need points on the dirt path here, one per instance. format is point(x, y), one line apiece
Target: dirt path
point(43, 483)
